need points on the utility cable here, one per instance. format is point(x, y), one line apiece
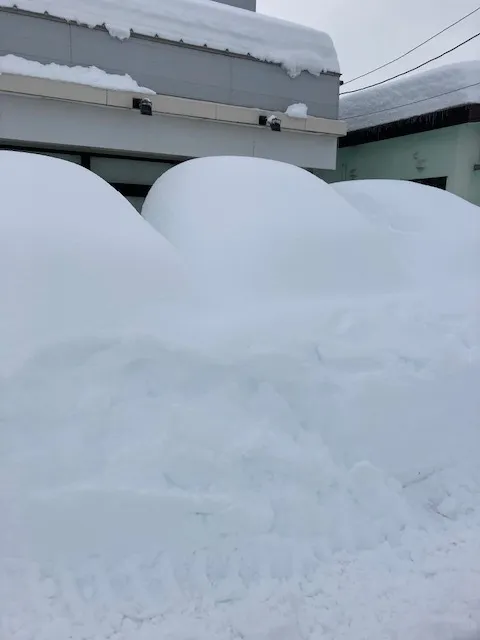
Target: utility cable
point(404, 73)
point(404, 55)
point(407, 104)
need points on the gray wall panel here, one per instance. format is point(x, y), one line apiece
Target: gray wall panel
point(254, 82)
point(168, 68)
point(139, 55)
point(36, 38)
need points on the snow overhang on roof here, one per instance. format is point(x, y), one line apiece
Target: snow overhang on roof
point(200, 23)
point(420, 94)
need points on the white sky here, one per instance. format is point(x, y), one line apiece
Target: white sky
point(368, 33)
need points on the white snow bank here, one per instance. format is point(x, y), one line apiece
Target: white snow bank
point(420, 219)
point(202, 23)
point(258, 226)
point(90, 76)
point(321, 472)
point(283, 470)
point(298, 110)
point(75, 257)
point(425, 92)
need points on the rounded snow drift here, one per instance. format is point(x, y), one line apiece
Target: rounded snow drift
point(255, 226)
point(75, 256)
point(438, 233)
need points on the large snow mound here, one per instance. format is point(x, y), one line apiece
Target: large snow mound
point(255, 226)
point(425, 92)
point(90, 76)
point(420, 218)
point(75, 257)
point(315, 471)
point(283, 468)
point(201, 23)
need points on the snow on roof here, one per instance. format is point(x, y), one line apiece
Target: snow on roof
point(448, 86)
point(90, 76)
point(201, 23)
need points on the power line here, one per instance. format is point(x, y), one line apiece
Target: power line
point(404, 55)
point(408, 104)
point(404, 73)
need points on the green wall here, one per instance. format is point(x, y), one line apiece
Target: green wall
point(450, 152)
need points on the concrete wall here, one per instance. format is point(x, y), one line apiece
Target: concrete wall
point(49, 122)
point(168, 68)
point(466, 179)
point(450, 152)
point(251, 5)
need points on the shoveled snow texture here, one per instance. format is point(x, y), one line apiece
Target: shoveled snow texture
point(258, 465)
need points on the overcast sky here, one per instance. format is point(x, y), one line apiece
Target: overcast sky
point(368, 33)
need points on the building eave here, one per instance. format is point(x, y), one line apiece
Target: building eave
point(452, 116)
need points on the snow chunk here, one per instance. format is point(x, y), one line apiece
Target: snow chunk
point(75, 257)
point(298, 110)
point(197, 22)
point(122, 33)
point(426, 92)
point(259, 227)
point(90, 76)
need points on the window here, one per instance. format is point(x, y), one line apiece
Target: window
point(134, 193)
point(132, 178)
point(439, 183)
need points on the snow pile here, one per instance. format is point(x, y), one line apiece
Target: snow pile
point(90, 76)
point(286, 468)
point(448, 86)
point(420, 218)
point(75, 257)
point(298, 110)
point(154, 491)
point(201, 23)
point(255, 245)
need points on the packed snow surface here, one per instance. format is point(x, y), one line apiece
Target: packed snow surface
point(298, 110)
point(90, 76)
point(424, 92)
point(290, 254)
point(420, 218)
point(202, 23)
point(62, 226)
point(263, 463)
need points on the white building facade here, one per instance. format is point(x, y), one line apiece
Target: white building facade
point(210, 90)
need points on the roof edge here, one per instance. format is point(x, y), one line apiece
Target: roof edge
point(440, 119)
point(14, 9)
